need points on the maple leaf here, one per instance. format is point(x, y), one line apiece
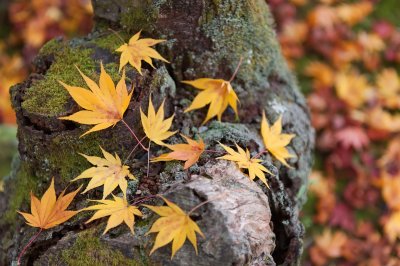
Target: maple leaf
point(137, 50)
point(216, 92)
point(242, 158)
point(388, 83)
point(49, 212)
point(104, 105)
point(352, 88)
point(109, 171)
point(392, 227)
point(391, 190)
point(154, 125)
point(275, 141)
point(184, 152)
point(173, 225)
point(119, 211)
point(352, 137)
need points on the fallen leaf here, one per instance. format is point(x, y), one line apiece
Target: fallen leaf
point(275, 141)
point(352, 137)
point(352, 88)
point(218, 93)
point(173, 225)
point(108, 171)
point(154, 125)
point(354, 13)
point(242, 158)
point(392, 227)
point(331, 244)
point(104, 105)
point(391, 190)
point(184, 152)
point(49, 212)
point(388, 83)
point(137, 50)
point(119, 211)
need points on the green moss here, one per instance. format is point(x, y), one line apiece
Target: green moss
point(140, 16)
point(388, 10)
point(111, 41)
point(22, 183)
point(89, 250)
point(235, 28)
point(46, 96)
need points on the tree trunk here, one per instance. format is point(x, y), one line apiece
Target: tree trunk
point(251, 225)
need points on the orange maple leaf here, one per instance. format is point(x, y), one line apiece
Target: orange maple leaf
point(105, 104)
point(184, 152)
point(49, 212)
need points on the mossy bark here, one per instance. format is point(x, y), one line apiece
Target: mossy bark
point(205, 39)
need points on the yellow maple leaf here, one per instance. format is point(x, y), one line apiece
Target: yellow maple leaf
point(243, 160)
point(109, 171)
point(216, 92)
point(388, 83)
point(104, 105)
point(352, 88)
point(275, 141)
point(173, 225)
point(119, 211)
point(49, 212)
point(154, 125)
point(184, 152)
point(392, 227)
point(137, 50)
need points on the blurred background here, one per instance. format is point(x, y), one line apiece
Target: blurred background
point(346, 55)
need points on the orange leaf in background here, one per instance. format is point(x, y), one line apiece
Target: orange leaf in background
point(392, 153)
point(392, 227)
point(137, 50)
point(322, 16)
point(218, 93)
point(391, 190)
point(322, 74)
point(371, 42)
point(104, 105)
point(275, 141)
point(353, 13)
point(49, 212)
point(184, 152)
point(388, 83)
point(352, 88)
point(329, 244)
point(382, 120)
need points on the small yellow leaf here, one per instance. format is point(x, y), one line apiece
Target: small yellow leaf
point(104, 105)
point(173, 225)
point(154, 125)
point(49, 212)
point(243, 160)
point(184, 152)
point(137, 50)
point(216, 92)
point(108, 171)
point(275, 141)
point(119, 211)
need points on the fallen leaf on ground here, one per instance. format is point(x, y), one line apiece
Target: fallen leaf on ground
point(173, 225)
point(119, 211)
point(104, 105)
point(275, 141)
point(49, 212)
point(108, 171)
point(243, 160)
point(137, 50)
point(184, 152)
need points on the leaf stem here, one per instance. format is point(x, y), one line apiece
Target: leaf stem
point(259, 154)
point(148, 160)
point(117, 34)
point(205, 202)
point(237, 69)
point(134, 135)
point(134, 148)
point(28, 245)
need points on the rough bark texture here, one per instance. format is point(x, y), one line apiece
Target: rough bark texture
point(251, 225)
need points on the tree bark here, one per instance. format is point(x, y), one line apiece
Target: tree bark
point(251, 225)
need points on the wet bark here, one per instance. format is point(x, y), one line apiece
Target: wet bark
point(255, 226)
